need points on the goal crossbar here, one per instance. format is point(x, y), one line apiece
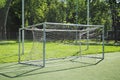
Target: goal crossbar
point(61, 30)
point(62, 24)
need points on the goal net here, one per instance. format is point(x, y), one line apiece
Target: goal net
point(47, 41)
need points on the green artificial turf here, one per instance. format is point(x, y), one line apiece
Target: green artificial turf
point(108, 69)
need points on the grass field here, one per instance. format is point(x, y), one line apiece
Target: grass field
point(9, 50)
point(108, 69)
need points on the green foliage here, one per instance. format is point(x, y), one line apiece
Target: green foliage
point(2, 3)
point(71, 11)
point(37, 11)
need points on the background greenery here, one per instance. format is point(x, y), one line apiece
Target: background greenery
point(102, 12)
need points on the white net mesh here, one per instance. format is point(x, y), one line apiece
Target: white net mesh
point(33, 53)
point(71, 42)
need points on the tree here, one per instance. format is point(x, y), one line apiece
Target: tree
point(71, 11)
point(3, 20)
point(115, 7)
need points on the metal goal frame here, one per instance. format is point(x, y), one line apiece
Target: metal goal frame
point(44, 30)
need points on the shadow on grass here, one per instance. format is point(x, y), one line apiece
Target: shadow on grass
point(95, 44)
point(38, 70)
point(8, 42)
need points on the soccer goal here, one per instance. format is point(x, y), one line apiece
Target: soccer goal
point(47, 41)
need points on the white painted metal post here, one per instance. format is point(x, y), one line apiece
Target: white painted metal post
point(76, 21)
point(19, 46)
point(88, 18)
point(44, 44)
point(23, 26)
point(88, 11)
point(103, 43)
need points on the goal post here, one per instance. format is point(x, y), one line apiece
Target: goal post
point(34, 46)
point(52, 41)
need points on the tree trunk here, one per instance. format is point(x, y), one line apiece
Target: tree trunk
point(114, 20)
point(3, 20)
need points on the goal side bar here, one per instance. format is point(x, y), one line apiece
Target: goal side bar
point(20, 49)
